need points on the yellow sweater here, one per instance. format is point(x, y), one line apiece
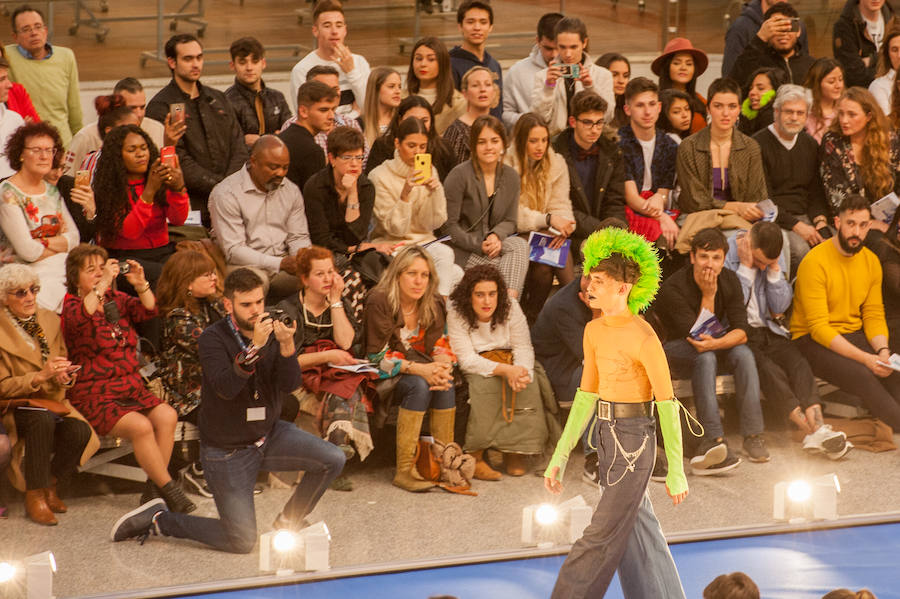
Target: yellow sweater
point(624, 361)
point(836, 294)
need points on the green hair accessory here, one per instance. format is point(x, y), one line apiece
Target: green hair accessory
point(600, 245)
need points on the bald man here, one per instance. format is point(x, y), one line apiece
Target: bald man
point(259, 220)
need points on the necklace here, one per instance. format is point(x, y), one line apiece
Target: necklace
point(410, 312)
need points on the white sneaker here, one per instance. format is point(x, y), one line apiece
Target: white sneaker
point(826, 440)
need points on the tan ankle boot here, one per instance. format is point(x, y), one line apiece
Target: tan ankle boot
point(53, 501)
point(37, 509)
point(442, 423)
point(482, 470)
point(515, 464)
point(409, 425)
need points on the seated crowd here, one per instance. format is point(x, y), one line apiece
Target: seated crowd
point(258, 250)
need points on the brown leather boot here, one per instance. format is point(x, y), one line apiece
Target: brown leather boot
point(515, 464)
point(37, 509)
point(409, 425)
point(482, 470)
point(53, 501)
point(442, 424)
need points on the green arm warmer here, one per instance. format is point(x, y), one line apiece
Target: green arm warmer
point(670, 423)
point(583, 408)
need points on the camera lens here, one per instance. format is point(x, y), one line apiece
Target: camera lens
point(124, 267)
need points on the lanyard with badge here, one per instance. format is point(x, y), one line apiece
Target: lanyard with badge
point(256, 413)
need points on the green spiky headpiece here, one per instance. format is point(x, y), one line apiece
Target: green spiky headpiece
point(600, 245)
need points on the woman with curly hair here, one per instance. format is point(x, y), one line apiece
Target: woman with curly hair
point(112, 111)
point(37, 228)
point(826, 80)
point(859, 153)
point(430, 76)
point(543, 204)
point(419, 108)
point(489, 334)
point(137, 196)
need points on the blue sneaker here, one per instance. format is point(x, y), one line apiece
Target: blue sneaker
point(139, 523)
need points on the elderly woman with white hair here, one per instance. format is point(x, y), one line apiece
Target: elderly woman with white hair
point(34, 376)
point(790, 157)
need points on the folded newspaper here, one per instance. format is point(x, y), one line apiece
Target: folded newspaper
point(360, 367)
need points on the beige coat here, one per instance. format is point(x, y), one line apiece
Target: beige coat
point(556, 194)
point(448, 114)
point(412, 221)
point(550, 102)
point(19, 363)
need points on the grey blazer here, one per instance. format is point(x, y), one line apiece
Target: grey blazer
point(469, 217)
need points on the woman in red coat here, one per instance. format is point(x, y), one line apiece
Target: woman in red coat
point(98, 327)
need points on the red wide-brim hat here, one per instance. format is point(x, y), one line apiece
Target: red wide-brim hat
point(680, 45)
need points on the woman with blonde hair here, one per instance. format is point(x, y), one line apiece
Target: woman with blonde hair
point(826, 80)
point(859, 153)
point(383, 94)
point(481, 93)
point(406, 336)
point(544, 204)
point(430, 76)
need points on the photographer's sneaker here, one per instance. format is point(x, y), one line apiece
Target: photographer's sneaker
point(139, 523)
point(710, 453)
point(826, 440)
point(194, 481)
point(755, 448)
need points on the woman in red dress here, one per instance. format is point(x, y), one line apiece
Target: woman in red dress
point(109, 391)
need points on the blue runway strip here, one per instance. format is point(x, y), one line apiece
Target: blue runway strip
point(799, 565)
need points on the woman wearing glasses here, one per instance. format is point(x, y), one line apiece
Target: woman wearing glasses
point(138, 196)
point(51, 434)
point(190, 301)
point(98, 323)
point(328, 335)
point(36, 226)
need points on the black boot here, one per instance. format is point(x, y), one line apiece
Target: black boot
point(176, 499)
point(151, 492)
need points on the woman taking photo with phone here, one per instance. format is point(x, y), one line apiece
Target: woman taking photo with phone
point(98, 323)
point(410, 203)
point(138, 196)
point(37, 227)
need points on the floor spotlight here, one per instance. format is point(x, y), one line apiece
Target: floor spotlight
point(545, 524)
point(806, 500)
point(285, 551)
point(39, 571)
point(7, 572)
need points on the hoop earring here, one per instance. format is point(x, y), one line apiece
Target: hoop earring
point(190, 293)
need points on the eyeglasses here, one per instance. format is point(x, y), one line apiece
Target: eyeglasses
point(35, 151)
point(209, 275)
point(347, 158)
point(31, 28)
point(23, 293)
point(591, 124)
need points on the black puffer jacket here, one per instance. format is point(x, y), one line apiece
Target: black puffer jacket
point(851, 43)
point(213, 146)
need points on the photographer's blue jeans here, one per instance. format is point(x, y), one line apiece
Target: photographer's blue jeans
point(231, 476)
point(685, 362)
point(413, 393)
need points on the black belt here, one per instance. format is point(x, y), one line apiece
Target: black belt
point(608, 410)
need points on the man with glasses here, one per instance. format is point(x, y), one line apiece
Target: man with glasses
point(259, 218)
point(49, 73)
point(596, 168)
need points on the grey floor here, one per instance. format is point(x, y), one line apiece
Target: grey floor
point(380, 523)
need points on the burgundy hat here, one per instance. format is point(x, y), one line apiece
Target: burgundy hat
point(678, 45)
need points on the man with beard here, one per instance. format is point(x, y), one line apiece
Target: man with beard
point(775, 45)
point(259, 218)
point(213, 144)
point(791, 165)
point(838, 321)
point(249, 362)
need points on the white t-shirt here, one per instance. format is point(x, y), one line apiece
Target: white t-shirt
point(648, 147)
point(876, 30)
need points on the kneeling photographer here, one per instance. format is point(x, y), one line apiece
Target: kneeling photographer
point(248, 360)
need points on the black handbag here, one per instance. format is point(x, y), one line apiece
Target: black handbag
point(370, 264)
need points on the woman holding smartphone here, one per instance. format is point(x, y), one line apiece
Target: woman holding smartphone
point(137, 197)
point(410, 203)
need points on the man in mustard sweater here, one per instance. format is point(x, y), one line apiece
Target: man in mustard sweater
point(838, 321)
point(49, 73)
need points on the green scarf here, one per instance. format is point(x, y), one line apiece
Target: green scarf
point(763, 101)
